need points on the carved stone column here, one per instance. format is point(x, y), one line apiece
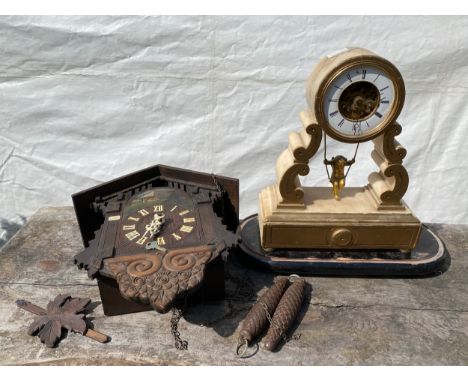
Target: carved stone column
point(294, 161)
point(389, 184)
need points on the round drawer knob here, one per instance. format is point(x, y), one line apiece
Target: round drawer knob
point(341, 237)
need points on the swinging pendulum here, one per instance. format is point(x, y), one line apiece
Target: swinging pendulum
point(338, 163)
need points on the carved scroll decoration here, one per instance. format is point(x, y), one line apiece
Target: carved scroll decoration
point(387, 186)
point(159, 278)
point(389, 146)
point(294, 161)
point(390, 184)
point(400, 184)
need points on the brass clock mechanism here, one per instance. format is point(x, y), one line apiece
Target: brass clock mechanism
point(354, 96)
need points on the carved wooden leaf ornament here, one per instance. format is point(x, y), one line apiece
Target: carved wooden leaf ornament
point(63, 312)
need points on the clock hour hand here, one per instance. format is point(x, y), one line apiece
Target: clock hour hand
point(154, 227)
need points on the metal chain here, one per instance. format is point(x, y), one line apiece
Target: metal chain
point(177, 314)
point(325, 155)
point(221, 193)
point(325, 152)
point(216, 183)
point(244, 291)
point(354, 157)
point(270, 320)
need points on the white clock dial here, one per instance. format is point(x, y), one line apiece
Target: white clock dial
point(358, 100)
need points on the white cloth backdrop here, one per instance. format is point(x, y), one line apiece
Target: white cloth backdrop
point(86, 99)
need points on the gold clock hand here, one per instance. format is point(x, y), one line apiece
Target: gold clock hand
point(157, 223)
point(148, 229)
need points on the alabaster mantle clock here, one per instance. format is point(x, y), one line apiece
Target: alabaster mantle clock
point(354, 96)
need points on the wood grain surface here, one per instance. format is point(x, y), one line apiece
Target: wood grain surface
point(347, 321)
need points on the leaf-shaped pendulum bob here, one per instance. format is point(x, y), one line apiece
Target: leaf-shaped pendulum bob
point(64, 312)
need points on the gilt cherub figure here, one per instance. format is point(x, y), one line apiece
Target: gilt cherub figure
point(338, 176)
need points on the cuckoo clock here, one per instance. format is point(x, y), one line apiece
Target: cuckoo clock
point(157, 236)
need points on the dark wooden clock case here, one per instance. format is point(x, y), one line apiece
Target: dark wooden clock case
point(90, 204)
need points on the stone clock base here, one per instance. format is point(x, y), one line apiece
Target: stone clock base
point(353, 222)
point(428, 258)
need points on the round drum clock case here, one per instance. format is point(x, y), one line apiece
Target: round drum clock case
point(354, 96)
point(357, 101)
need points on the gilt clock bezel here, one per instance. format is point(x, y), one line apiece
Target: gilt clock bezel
point(399, 97)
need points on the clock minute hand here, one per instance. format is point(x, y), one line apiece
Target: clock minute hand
point(154, 227)
point(147, 230)
point(149, 227)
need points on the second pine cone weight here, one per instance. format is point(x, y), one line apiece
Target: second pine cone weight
point(285, 314)
point(256, 320)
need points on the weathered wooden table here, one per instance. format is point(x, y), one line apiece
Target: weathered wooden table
point(349, 321)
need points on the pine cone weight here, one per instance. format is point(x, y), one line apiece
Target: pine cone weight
point(256, 320)
point(285, 314)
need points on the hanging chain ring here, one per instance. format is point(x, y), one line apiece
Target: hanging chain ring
point(241, 344)
point(245, 345)
point(292, 277)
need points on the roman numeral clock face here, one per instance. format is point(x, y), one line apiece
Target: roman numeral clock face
point(357, 101)
point(172, 209)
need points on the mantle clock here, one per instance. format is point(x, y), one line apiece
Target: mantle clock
point(354, 96)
